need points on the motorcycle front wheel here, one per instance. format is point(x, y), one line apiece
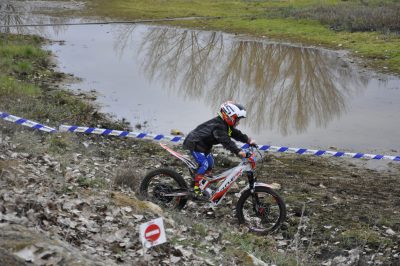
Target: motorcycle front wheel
point(262, 212)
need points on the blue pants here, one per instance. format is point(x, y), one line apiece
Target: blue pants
point(205, 161)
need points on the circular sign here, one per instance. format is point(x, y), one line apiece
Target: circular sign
point(152, 233)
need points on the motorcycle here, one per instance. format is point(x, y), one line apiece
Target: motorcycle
point(259, 207)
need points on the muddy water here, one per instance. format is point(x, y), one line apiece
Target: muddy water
point(166, 78)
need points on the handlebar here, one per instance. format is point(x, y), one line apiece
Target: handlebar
point(251, 152)
point(252, 149)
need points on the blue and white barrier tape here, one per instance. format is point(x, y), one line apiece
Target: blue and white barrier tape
point(118, 133)
point(25, 122)
point(326, 153)
point(139, 135)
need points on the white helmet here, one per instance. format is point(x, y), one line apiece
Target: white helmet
point(231, 112)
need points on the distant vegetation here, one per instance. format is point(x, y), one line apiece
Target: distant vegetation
point(354, 17)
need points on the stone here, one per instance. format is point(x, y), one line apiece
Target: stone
point(390, 232)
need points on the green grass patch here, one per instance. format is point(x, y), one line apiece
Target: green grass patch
point(59, 143)
point(357, 237)
point(21, 51)
point(97, 182)
point(16, 39)
point(181, 8)
point(10, 87)
point(22, 56)
point(262, 247)
point(200, 229)
point(49, 107)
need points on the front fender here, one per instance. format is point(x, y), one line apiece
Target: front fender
point(257, 184)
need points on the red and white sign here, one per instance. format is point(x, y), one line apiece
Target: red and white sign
point(152, 233)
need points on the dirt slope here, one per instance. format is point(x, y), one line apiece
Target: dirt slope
point(338, 212)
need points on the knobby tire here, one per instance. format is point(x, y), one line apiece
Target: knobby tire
point(163, 174)
point(277, 201)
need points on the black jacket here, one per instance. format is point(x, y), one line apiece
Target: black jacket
point(212, 132)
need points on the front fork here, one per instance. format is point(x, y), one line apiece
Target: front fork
point(252, 180)
point(258, 208)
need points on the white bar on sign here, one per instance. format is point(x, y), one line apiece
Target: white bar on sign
point(154, 232)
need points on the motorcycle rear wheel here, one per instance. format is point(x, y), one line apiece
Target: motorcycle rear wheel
point(157, 184)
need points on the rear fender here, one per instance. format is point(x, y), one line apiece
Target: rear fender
point(181, 157)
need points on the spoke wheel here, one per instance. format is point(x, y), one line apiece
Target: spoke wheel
point(262, 212)
point(157, 184)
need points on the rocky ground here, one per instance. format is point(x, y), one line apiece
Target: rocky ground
point(52, 205)
point(68, 199)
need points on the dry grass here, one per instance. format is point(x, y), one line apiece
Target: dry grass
point(128, 176)
point(122, 200)
point(354, 18)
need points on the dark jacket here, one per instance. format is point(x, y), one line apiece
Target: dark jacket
point(212, 132)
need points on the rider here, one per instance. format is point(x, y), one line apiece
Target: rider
point(218, 130)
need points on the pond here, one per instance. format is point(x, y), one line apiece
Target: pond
point(164, 78)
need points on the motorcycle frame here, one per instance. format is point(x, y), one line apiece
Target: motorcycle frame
point(228, 177)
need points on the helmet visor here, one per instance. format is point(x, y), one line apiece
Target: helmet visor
point(238, 121)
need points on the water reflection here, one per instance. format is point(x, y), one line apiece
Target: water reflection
point(15, 15)
point(9, 15)
point(284, 87)
point(183, 59)
point(123, 38)
point(291, 86)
